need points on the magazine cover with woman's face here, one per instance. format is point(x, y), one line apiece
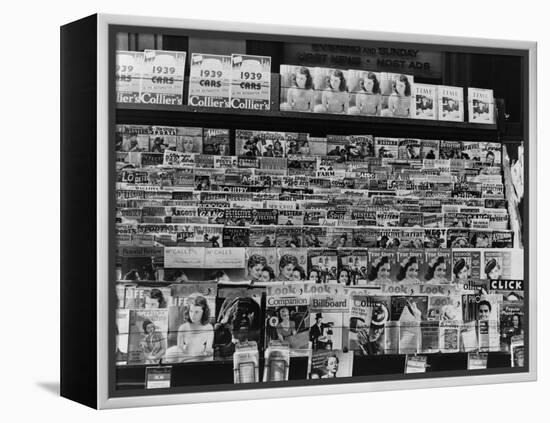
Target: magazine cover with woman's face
point(331, 91)
point(330, 364)
point(297, 91)
point(396, 95)
point(191, 323)
point(287, 317)
point(365, 92)
point(147, 338)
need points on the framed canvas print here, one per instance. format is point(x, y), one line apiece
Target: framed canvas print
point(254, 211)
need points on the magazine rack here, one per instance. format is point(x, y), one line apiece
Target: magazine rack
point(89, 115)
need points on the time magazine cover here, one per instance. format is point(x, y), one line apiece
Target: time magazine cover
point(424, 101)
point(450, 103)
point(481, 106)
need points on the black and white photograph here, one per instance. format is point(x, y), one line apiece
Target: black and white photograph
point(251, 210)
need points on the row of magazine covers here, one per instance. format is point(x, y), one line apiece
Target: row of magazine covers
point(255, 189)
point(215, 321)
point(276, 144)
point(345, 266)
point(243, 81)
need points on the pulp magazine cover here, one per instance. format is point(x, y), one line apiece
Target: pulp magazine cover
point(162, 77)
point(480, 106)
point(147, 336)
point(450, 102)
point(163, 138)
point(189, 139)
point(260, 143)
point(297, 93)
point(191, 323)
point(128, 76)
point(330, 364)
point(215, 141)
point(429, 149)
point(386, 148)
point(132, 138)
point(331, 90)
point(250, 82)
point(287, 317)
point(209, 80)
point(409, 148)
point(365, 94)
point(424, 102)
point(239, 318)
